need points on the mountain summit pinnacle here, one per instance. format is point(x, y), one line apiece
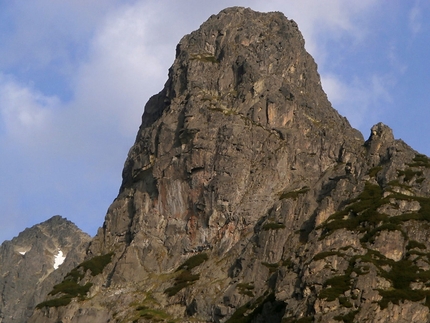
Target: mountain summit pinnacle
point(247, 198)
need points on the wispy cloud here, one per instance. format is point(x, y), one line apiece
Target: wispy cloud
point(75, 75)
point(415, 19)
point(358, 99)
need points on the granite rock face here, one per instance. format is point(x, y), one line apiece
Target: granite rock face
point(33, 262)
point(247, 198)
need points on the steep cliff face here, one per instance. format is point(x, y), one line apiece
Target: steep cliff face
point(32, 263)
point(247, 198)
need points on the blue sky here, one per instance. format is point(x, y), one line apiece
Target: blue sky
point(75, 76)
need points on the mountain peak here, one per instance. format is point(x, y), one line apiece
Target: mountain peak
point(247, 198)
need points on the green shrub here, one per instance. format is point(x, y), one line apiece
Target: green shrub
point(360, 214)
point(246, 289)
point(272, 267)
point(334, 287)
point(58, 302)
point(193, 261)
point(415, 244)
point(420, 161)
point(273, 226)
point(293, 194)
point(409, 174)
point(183, 280)
point(70, 288)
point(374, 171)
point(326, 254)
point(347, 318)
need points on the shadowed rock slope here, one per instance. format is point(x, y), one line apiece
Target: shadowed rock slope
point(33, 262)
point(247, 198)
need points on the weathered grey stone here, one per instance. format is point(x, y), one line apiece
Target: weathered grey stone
point(242, 167)
point(27, 272)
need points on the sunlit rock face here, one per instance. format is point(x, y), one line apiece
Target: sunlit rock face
point(247, 198)
point(33, 262)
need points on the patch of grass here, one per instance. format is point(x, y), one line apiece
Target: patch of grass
point(154, 315)
point(204, 58)
point(293, 194)
point(193, 261)
point(273, 226)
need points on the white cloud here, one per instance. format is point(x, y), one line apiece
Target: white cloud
point(415, 19)
point(25, 112)
point(358, 99)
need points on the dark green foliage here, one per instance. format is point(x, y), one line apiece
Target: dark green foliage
point(415, 244)
point(343, 301)
point(347, 318)
point(401, 274)
point(152, 314)
point(246, 289)
point(293, 194)
point(185, 279)
point(396, 295)
point(307, 319)
point(193, 261)
point(409, 174)
point(326, 254)
point(248, 312)
point(273, 226)
point(205, 58)
point(58, 302)
point(398, 184)
point(374, 171)
point(95, 265)
point(334, 287)
point(369, 236)
point(70, 288)
point(420, 161)
point(361, 213)
point(272, 267)
point(288, 263)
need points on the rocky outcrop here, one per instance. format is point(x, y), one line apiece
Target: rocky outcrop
point(247, 198)
point(33, 262)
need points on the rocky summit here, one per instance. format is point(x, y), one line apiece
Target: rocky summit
point(33, 262)
point(247, 198)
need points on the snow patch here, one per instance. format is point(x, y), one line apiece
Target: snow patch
point(59, 259)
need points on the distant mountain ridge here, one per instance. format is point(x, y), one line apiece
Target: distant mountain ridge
point(33, 262)
point(247, 198)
